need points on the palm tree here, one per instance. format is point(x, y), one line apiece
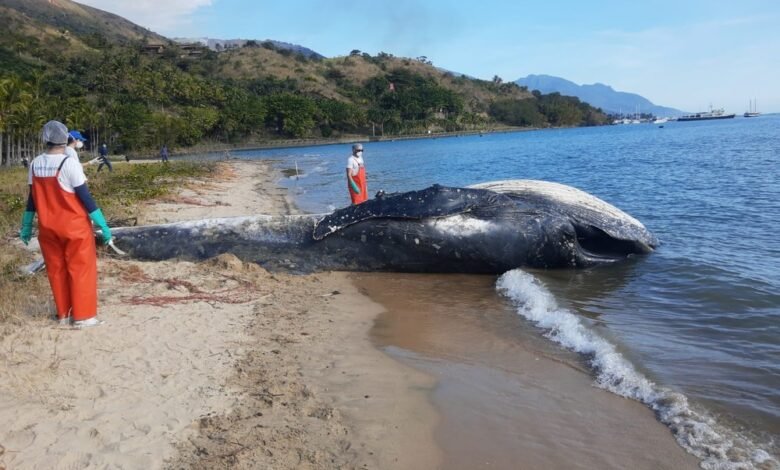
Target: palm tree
point(14, 96)
point(28, 118)
point(10, 89)
point(5, 90)
point(77, 114)
point(89, 119)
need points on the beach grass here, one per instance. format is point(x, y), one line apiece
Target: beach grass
point(118, 194)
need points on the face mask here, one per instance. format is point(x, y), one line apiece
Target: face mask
point(359, 153)
point(79, 144)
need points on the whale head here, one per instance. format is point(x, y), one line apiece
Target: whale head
point(594, 231)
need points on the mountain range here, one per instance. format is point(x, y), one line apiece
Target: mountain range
point(99, 72)
point(598, 95)
point(83, 27)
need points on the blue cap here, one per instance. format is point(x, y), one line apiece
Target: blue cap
point(77, 135)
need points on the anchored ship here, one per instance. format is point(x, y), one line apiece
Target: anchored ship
point(706, 115)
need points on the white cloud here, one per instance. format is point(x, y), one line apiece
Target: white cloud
point(161, 16)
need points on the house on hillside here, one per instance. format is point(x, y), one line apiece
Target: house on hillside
point(189, 49)
point(192, 49)
point(154, 48)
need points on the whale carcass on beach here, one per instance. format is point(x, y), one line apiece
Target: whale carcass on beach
point(486, 228)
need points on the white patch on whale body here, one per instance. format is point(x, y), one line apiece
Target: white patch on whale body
point(206, 224)
point(256, 227)
point(461, 225)
point(559, 192)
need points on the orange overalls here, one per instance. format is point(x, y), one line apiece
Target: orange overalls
point(362, 184)
point(68, 248)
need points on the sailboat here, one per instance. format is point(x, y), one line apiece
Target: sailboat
point(637, 117)
point(752, 110)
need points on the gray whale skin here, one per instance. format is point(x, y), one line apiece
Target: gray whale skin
point(486, 228)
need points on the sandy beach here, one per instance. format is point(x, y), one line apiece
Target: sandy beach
point(222, 364)
point(213, 364)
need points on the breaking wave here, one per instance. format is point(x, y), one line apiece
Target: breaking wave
point(700, 434)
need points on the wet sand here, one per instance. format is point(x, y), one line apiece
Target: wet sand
point(509, 399)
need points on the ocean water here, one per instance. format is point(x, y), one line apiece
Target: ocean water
point(693, 330)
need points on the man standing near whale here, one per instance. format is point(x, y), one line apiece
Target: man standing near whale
point(356, 176)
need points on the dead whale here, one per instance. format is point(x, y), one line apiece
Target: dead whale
point(488, 228)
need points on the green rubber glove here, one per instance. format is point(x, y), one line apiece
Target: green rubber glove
point(26, 232)
point(100, 221)
point(354, 186)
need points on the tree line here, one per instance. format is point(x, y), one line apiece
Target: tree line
point(137, 102)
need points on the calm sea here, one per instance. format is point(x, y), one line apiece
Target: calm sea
point(692, 330)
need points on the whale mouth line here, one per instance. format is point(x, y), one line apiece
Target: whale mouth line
point(597, 245)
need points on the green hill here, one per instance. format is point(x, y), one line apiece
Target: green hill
point(59, 19)
point(124, 85)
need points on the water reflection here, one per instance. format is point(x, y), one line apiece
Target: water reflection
point(585, 290)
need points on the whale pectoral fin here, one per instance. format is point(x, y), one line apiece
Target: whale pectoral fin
point(436, 201)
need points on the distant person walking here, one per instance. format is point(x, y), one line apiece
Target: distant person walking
point(164, 154)
point(103, 159)
point(356, 176)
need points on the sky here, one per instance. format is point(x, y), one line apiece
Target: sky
point(686, 54)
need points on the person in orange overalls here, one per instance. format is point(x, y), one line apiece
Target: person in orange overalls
point(357, 185)
point(59, 195)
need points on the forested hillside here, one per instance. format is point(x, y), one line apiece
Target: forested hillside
point(124, 85)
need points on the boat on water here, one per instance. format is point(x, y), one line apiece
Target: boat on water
point(707, 115)
point(752, 110)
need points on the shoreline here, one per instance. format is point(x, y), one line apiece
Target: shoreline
point(213, 363)
point(298, 143)
point(221, 363)
point(508, 397)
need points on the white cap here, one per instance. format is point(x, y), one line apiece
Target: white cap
point(54, 132)
point(357, 147)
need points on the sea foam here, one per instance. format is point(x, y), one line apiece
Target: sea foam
point(696, 431)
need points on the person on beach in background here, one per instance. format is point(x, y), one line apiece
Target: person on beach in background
point(75, 143)
point(356, 176)
point(60, 197)
point(104, 158)
point(164, 154)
